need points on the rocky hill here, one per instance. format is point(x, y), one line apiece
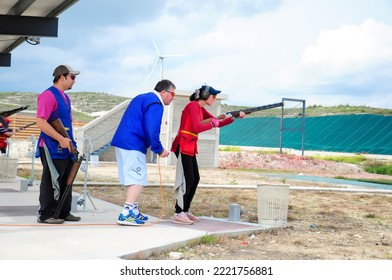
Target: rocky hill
point(85, 103)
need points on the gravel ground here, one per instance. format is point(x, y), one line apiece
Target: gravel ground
point(321, 224)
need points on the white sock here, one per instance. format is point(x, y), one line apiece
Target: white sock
point(125, 210)
point(131, 206)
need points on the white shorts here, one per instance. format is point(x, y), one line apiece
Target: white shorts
point(132, 167)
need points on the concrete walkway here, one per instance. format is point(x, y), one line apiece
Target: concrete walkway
point(96, 236)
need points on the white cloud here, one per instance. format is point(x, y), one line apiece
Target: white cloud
point(350, 49)
point(327, 51)
point(352, 63)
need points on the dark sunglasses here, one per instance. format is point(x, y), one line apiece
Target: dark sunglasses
point(73, 77)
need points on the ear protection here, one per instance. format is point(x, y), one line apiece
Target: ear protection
point(205, 93)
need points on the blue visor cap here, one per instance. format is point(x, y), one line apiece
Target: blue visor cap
point(210, 90)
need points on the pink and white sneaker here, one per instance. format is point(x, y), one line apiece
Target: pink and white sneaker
point(181, 218)
point(192, 217)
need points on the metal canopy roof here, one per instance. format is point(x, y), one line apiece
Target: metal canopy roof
point(26, 21)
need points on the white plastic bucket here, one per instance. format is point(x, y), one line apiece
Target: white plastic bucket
point(273, 203)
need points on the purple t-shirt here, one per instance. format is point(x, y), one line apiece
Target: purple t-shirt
point(46, 105)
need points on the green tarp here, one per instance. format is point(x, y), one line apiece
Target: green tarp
point(371, 134)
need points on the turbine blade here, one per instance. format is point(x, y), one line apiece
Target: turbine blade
point(156, 47)
point(153, 68)
point(173, 55)
point(162, 68)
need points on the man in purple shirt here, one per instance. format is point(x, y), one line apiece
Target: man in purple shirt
point(54, 149)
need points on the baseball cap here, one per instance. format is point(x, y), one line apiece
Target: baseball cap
point(210, 90)
point(64, 69)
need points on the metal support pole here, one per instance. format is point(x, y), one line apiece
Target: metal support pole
point(302, 127)
point(85, 182)
point(281, 129)
point(87, 150)
point(33, 149)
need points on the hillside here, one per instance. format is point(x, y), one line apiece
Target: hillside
point(85, 103)
point(316, 110)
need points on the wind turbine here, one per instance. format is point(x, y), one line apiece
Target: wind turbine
point(159, 60)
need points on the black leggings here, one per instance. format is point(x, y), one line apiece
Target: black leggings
point(192, 178)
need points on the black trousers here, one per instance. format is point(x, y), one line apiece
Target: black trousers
point(192, 178)
point(47, 203)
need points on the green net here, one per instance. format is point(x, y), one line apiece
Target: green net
point(371, 134)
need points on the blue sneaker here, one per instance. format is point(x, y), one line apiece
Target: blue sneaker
point(139, 216)
point(142, 217)
point(129, 220)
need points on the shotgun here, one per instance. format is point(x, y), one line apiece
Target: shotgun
point(5, 114)
point(9, 129)
point(57, 124)
point(247, 111)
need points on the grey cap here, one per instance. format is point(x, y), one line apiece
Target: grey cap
point(64, 69)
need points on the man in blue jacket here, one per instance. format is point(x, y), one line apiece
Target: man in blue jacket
point(140, 129)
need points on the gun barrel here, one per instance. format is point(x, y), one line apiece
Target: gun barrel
point(236, 113)
point(8, 113)
point(24, 127)
point(269, 106)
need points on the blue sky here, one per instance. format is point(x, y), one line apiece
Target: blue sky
point(328, 52)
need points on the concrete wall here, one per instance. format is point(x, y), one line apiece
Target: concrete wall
point(208, 143)
point(100, 131)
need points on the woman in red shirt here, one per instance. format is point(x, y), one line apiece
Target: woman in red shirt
point(194, 119)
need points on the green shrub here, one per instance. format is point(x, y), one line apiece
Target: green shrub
point(347, 159)
point(379, 169)
point(229, 149)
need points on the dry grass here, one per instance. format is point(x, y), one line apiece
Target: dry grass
point(322, 224)
point(215, 202)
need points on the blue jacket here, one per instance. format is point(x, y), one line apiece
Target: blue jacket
point(140, 126)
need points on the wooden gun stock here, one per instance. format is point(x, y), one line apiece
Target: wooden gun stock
point(57, 124)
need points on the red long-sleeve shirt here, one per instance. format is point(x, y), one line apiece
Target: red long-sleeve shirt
point(191, 125)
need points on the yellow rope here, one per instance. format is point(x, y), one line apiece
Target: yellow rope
point(162, 196)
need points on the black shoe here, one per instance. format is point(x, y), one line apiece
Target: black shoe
point(51, 221)
point(72, 218)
